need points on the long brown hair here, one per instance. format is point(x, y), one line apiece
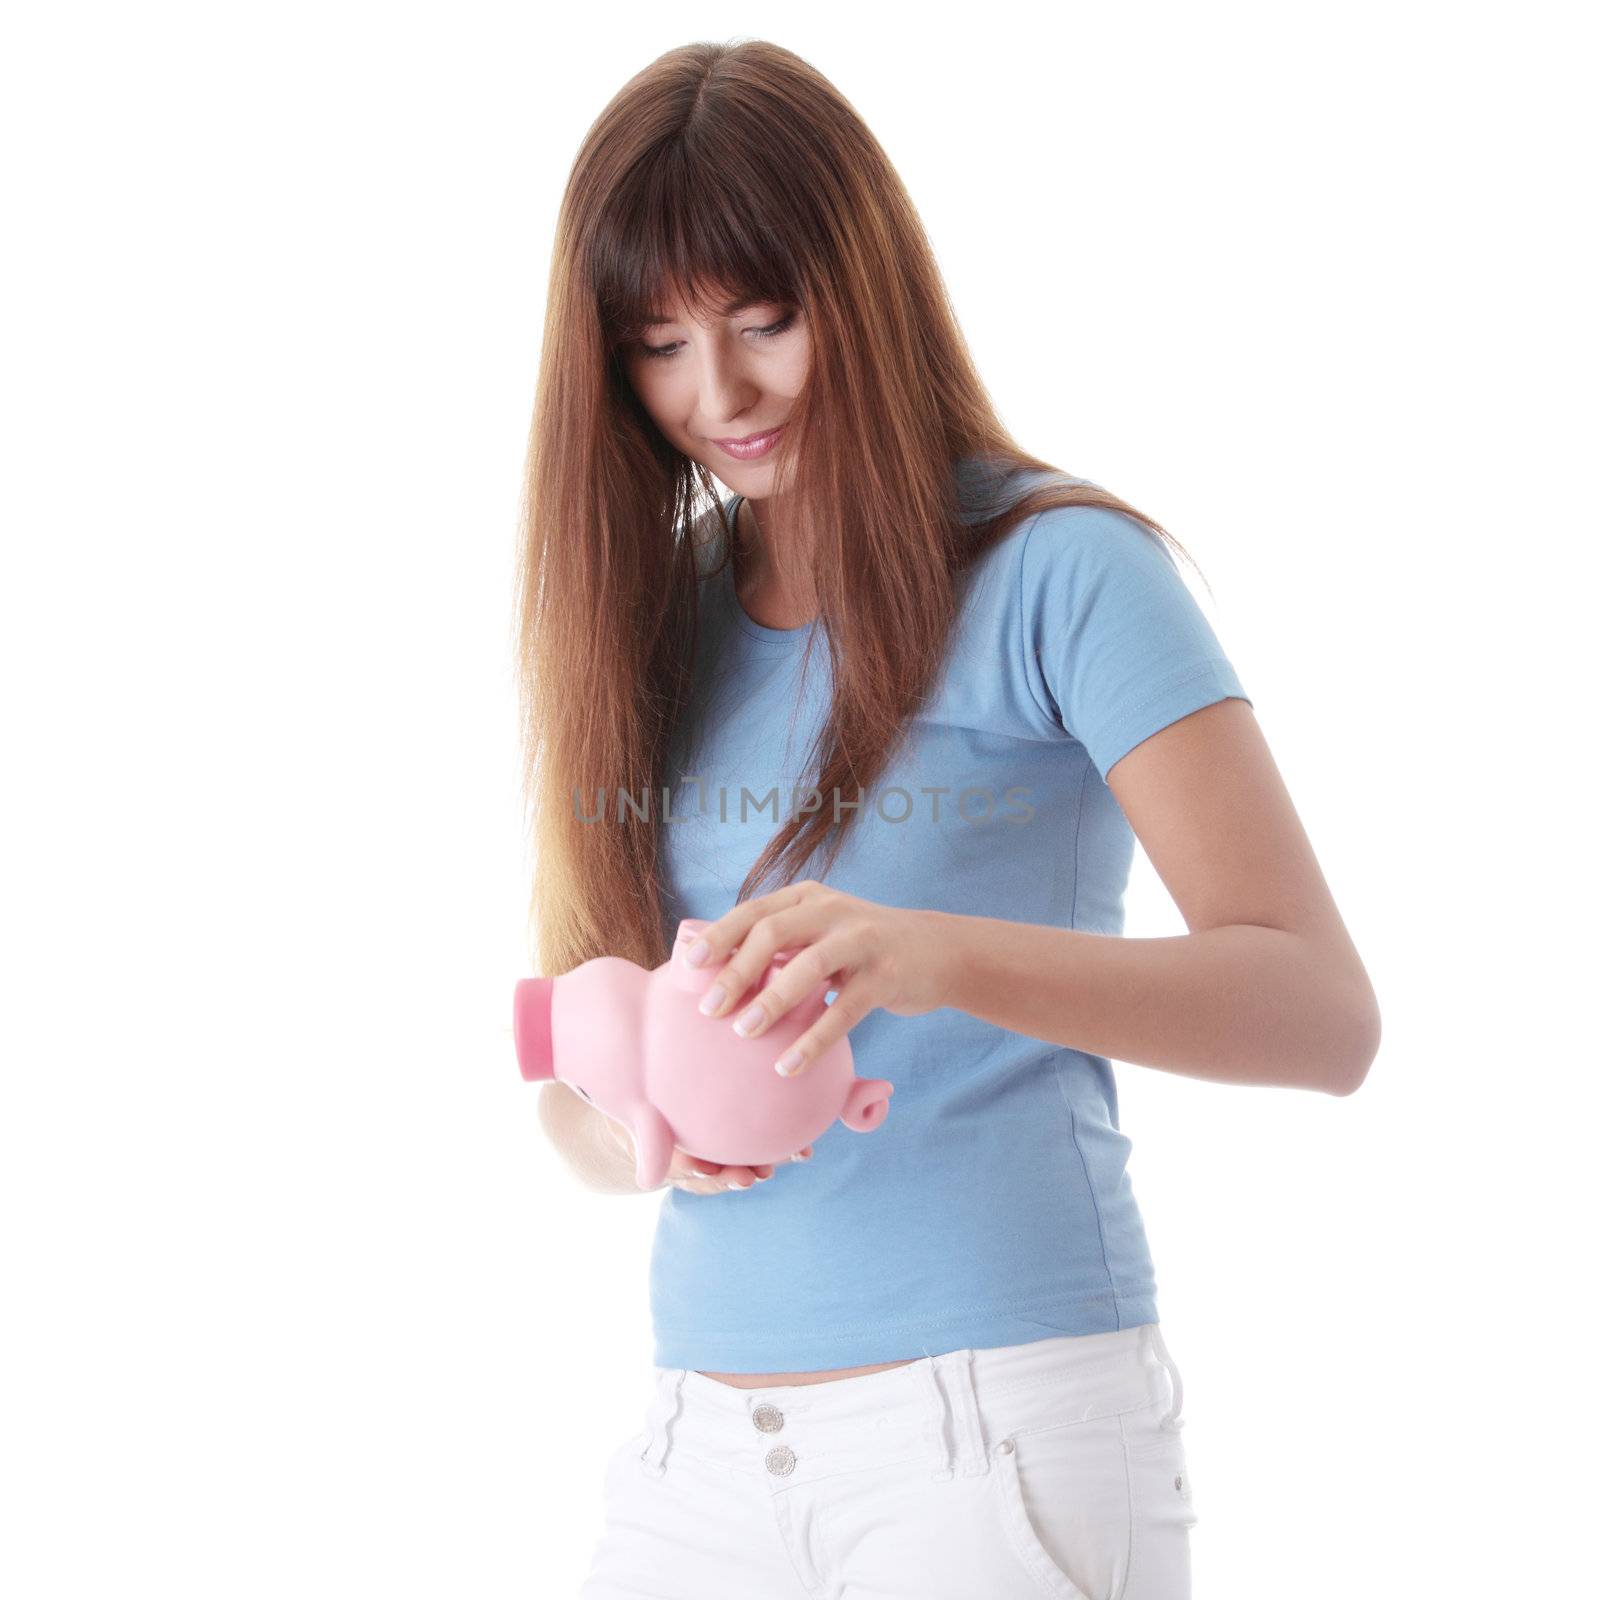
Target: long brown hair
point(725, 172)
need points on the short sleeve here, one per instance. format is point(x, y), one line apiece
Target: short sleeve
point(1118, 645)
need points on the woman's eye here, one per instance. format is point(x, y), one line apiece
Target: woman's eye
point(771, 331)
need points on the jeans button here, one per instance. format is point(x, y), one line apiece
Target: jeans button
point(767, 1418)
point(780, 1461)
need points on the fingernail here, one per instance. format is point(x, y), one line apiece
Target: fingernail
point(750, 1021)
point(733, 1185)
point(714, 996)
point(788, 1063)
point(698, 952)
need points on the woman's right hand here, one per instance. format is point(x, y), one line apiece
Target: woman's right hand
point(695, 1176)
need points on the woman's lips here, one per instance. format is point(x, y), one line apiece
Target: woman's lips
point(758, 444)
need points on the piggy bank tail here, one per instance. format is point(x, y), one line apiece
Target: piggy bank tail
point(530, 1027)
point(867, 1104)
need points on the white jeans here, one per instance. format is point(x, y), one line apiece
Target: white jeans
point(1054, 1468)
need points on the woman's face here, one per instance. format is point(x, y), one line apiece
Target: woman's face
point(707, 385)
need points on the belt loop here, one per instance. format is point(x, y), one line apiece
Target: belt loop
point(663, 1408)
point(936, 1411)
point(1173, 1419)
point(958, 1399)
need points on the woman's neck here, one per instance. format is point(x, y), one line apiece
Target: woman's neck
point(768, 572)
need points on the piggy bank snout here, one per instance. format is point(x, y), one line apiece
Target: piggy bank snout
point(530, 1027)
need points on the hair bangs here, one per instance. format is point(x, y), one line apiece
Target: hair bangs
point(679, 243)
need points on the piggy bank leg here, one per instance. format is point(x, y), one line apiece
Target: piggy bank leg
point(867, 1104)
point(653, 1139)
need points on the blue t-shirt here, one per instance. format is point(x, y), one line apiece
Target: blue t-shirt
point(992, 1205)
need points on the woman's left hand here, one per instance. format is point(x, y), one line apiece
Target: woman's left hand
point(872, 955)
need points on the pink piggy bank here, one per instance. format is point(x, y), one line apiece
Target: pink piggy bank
point(634, 1044)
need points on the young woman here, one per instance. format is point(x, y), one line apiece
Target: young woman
point(903, 699)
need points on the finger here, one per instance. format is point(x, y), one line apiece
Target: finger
point(701, 1182)
point(849, 1006)
point(720, 939)
point(790, 928)
point(816, 965)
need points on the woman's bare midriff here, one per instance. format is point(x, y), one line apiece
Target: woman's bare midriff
point(770, 1380)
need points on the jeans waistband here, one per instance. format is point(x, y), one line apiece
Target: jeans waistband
point(946, 1411)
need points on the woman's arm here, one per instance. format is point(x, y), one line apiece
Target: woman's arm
point(1266, 988)
point(582, 1134)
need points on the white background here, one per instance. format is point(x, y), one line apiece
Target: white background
point(298, 1299)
